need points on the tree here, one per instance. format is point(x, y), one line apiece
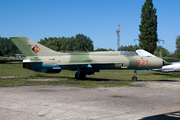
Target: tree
point(7, 47)
point(177, 51)
point(101, 49)
point(111, 49)
point(148, 27)
point(83, 43)
point(1, 53)
point(128, 48)
point(161, 52)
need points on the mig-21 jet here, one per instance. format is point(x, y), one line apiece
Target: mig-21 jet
point(42, 59)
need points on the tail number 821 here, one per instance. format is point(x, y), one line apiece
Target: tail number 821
point(142, 62)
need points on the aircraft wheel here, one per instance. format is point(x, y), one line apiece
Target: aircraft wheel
point(134, 78)
point(81, 76)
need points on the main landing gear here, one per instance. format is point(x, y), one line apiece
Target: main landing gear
point(82, 72)
point(80, 76)
point(134, 78)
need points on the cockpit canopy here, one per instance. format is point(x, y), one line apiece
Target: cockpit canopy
point(127, 53)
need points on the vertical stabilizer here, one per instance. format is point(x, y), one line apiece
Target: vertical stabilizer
point(31, 48)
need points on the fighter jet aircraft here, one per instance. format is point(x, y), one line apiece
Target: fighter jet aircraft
point(42, 59)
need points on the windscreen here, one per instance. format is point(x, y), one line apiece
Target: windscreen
point(127, 53)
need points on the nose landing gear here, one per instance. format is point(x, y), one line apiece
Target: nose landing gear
point(134, 78)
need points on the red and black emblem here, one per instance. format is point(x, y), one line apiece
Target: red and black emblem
point(36, 49)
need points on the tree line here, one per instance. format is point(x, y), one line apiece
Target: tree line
point(7, 47)
point(78, 43)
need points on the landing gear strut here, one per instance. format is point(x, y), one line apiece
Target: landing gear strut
point(134, 78)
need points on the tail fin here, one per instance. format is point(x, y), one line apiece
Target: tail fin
point(31, 48)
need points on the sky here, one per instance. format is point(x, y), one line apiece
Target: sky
point(97, 19)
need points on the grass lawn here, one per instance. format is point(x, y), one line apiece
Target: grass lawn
point(105, 78)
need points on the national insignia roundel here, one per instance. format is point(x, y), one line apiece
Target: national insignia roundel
point(36, 49)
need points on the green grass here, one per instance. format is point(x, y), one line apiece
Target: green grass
point(70, 82)
point(116, 96)
point(4, 60)
point(14, 70)
point(105, 78)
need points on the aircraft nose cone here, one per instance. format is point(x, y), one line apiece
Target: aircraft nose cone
point(166, 63)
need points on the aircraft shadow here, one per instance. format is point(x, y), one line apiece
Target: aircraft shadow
point(105, 79)
point(167, 74)
point(166, 116)
point(101, 79)
point(95, 79)
point(168, 80)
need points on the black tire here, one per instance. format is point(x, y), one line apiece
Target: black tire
point(81, 76)
point(134, 78)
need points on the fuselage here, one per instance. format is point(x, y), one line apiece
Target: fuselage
point(42, 59)
point(98, 60)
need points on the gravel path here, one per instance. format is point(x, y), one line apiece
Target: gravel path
point(154, 100)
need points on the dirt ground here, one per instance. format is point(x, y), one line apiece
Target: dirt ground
point(153, 100)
